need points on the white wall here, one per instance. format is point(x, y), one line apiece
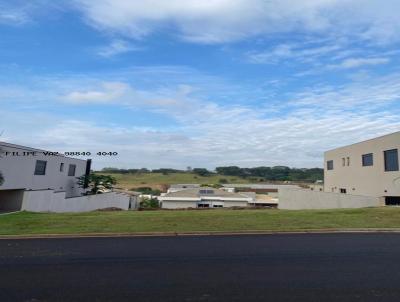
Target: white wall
point(299, 199)
point(18, 171)
point(50, 201)
point(360, 180)
point(182, 204)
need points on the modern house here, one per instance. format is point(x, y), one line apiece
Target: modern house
point(203, 197)
point(27, 170)
point(368, 168)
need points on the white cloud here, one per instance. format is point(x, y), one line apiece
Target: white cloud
point(217, 21)
point(359, 62)
point(208, 133)
point(107, 93)
point(298, 52)
point(117, 47)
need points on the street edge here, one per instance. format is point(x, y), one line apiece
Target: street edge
point(205, 233)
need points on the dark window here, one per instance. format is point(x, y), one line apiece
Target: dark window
point(203, 205)
point(329, 164)
point(368, 160)
point(62, 167)
point(71, 170)
point(40, 168)
point(343, 191)
point(392, 201)
point(206, 191)
point(217, 206)
point(391, 160)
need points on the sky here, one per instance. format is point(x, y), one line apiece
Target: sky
point(183, 83)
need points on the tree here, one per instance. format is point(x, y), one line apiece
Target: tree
point(96, 182)
point(201, 171)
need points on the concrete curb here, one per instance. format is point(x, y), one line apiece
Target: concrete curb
point(211, 233)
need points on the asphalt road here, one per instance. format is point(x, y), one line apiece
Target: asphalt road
point(312, 267)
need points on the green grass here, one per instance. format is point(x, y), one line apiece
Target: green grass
point(155, 180)
point(25, 223)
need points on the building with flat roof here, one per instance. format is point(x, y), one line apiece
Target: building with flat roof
point(203, 197)
point(369, 168)
point(28, 169)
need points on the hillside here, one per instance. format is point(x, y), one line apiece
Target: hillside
point(157, 180)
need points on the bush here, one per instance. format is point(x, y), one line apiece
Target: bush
point(147, 203)
point(223, 181)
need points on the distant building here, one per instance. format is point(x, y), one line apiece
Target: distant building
point(203, 197)
point(28, 169)
point(180, 187)
point(265, 189)
point(369, 168)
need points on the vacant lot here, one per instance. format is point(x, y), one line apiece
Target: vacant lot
point(156, 180)
point(197, 221)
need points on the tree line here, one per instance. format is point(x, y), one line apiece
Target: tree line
point(277, 173)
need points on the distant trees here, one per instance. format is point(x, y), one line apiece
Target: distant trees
point(201, 172)
point(276, 173)
point(279, 173)
point(125, 171)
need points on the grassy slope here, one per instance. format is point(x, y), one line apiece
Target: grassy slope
point(128, 181)
point(188, 221)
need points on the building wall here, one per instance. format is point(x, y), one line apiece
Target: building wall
point(50, 201)
point(171, 204)
point(359, 180)
point(18, 172)
point(300, 199)
point(178, 204)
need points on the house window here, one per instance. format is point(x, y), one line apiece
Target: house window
point(329, 164)
point(62, 167)
point(71, 170)
point(348, 161)
point(368, 160)
point(343, 191)
point(391, 160)
point(343, 161)
point(40, 168)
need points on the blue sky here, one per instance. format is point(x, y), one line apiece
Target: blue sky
point(203, 84)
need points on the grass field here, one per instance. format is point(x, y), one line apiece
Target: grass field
point(25, 223)
point(156, 180)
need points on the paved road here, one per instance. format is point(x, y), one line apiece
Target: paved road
point(313, 267)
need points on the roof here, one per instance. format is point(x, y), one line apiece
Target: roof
point(258, 186)
point(364, 141)
point(33, 149)
point(201, 191)
point(180, 186)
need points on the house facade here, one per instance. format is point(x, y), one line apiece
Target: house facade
point(27, 169)
point(369, 168)
point(203, 197)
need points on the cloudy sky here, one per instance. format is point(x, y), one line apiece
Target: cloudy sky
point(199, 83)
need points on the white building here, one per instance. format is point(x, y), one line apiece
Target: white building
point(27, 169)
point(369, 168)
point(203, 197)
